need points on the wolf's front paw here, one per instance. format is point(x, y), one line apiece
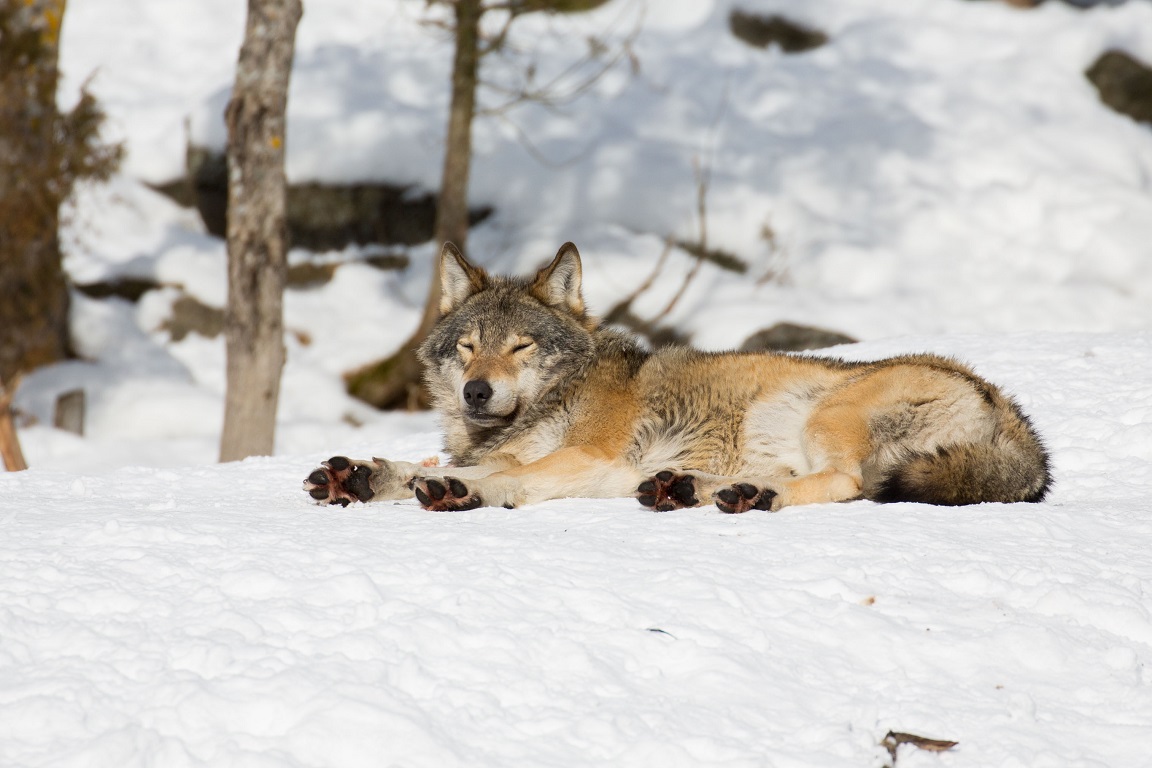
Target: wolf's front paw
point(340, 481)
point(667, 491)
point(741, 497)
point(445, 494)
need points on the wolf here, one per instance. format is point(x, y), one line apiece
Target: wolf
point(539, 401)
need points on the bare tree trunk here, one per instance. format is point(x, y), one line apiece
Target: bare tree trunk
point(34, 312)
point(257, 229)
point(452, 211)
point(397, 380)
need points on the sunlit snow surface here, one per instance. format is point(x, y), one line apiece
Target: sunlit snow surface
point(939, 177)
point(211, 615)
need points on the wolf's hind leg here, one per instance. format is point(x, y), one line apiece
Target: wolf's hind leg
point(772, 494)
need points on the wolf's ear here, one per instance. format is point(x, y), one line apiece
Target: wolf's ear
point(458, 278)
point(558, 284)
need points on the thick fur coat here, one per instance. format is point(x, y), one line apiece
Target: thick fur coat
point(540, 401)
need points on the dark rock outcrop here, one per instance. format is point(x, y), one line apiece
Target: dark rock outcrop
point(789, 337)
point(761, 31)
point(1124, 83)
point(321, 217)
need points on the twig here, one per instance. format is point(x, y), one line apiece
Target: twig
point(626, 304)
point(893, 739)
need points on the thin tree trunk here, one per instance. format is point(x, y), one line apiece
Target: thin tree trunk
point(34, 312)
point(397, 380)
point(257, 229)
point(452, 211)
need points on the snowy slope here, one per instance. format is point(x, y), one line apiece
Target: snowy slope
point(939, 177)
point(939, 166)
point(213, 616)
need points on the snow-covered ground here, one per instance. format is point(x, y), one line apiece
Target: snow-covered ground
point(939, 177)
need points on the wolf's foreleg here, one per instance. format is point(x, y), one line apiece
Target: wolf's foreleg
point(580, 471)
point(341, 480)
point(672, 489)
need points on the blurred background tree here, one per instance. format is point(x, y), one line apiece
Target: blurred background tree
point(43, 154)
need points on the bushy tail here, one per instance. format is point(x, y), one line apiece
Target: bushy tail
point(1011, 467)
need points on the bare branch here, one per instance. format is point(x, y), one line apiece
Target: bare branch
point(702, 173)
point(550, 93)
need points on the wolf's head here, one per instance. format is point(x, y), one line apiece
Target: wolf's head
point(502, 343)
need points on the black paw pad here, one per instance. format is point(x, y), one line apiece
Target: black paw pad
point(318, 477)
point(728, 496)
point(357, 483)
point(646, 493)
point(435, 489)
point(747, 490)
point(765, 500)
point(684, 491)
point(338, 463)
point(457, 488)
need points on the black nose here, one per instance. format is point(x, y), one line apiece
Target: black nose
point(477, 393)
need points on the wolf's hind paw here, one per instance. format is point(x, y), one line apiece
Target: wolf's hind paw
point(667, 490)
point(741, 497)
point(339, 481)
point(444, 494)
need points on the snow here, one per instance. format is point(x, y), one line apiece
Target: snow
point(939, 177)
